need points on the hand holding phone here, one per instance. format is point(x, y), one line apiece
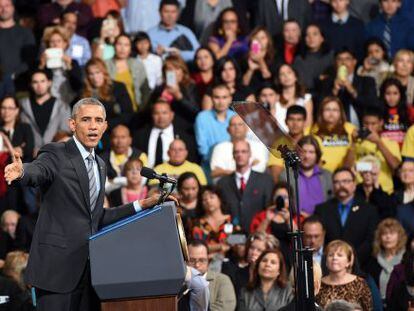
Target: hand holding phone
point(171, 78)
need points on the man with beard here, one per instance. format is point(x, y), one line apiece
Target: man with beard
point(347, 217)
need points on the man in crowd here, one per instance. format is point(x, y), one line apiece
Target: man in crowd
point(222, 295)
point(9, 220)
point(222, 161)
point(314, 238)
point(347, 217)
point(44, 113)
point(170, 37)
point(178, 163)
point(245, 191)
point(155, 139)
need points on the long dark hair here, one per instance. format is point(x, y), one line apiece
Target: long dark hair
point(220, 67)
point(324, 49)
point(214, 190)
point(402, 104)
point(270, 49)
point(299, 88)
point(218, 30)
point(281, 280)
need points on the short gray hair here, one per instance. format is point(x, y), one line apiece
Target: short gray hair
point(342, 305)
point(87, 101)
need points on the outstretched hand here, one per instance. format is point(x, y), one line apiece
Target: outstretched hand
point(14, 170)
point(153, 200)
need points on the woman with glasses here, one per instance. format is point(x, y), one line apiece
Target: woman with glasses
point(134, 190)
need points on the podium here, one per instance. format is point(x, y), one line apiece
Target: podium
point(138, 263)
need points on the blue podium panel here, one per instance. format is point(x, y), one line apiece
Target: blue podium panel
point(139, 256)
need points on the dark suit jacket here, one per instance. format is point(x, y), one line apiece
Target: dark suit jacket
point(359, 227)
point(59, 250)
point(141, 140)
point(365, 87)
point(405, 215)
point(255, 198)
point(23, 137)
point(267, 14)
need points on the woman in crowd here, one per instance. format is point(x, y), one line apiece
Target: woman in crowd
point(228, 37)
point(179, 90)
point(256, 244)
point(67, 75)
point(260, 60)
point(405, 197)
point(151, 61)
point(188, 187)
point(269, 288)
point(134, 190)
point(396, 123)
point(111, 27)
point(203, 76)
point(228, 72)
point(214, 226)
point(340, 283)
point(333, 133)
point(291, 93)
point(313, 62)
point(403, 66)
point(375, 63)
point(388, 250)
point(268, 95)
point(130, 71)
point(112, 94)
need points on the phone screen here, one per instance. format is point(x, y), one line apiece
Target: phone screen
point(171, 78)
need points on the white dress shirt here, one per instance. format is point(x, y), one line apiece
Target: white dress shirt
point(285, 8)
point(167, 138)
point(246, 176)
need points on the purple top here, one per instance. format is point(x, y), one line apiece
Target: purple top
point(238, 48)
point(310, 191)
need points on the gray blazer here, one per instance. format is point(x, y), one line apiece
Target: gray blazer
point(254, 300)
point(58, 121)
point(222, 295)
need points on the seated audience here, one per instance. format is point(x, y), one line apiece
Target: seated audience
point(133, 190)
point(347, 217)
point(228, 37)
point(246, 192)
point(222, 295)
point(178, 164)
point(340, 283)
point(269, 288)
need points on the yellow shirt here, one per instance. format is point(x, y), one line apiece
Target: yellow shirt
point(175, 171)
point(408, 146)
point(366, 147)
point(334, 148)
point(125, 77)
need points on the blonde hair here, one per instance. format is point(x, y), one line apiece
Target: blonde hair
point(14, 265)
point(50, 31)
point(336, 245)
point(389, 224)
point(403, 52)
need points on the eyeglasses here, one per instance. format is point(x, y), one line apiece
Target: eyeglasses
point(344, 182)
point(194, 261)
point(8, 108)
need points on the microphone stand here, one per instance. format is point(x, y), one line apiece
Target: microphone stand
point(302, 257)
point(165, 188)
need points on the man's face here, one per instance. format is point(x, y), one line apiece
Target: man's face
point(373, 123)
point(241, 153)
point(10, 223)
point(70, 22)
point(40, 84)
point(291, 33)
point(407, 173)
point(339, 6)
point(162, 115)
point(346, 59)
point(390, 7)
point(89, 125)
point(313, 235)
point(221, 99)
point(308, 156)
point(343, 185)
point(237, 128)
point(198, 258)
point(177, 152)
point(121, 140)
point(6, 10)
point(268, 95)
point(169, 15)
point(295, 124)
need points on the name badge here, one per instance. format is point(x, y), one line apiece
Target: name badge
point(228, 228)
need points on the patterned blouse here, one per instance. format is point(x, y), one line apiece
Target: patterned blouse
point(202, 230)
point(356, 291)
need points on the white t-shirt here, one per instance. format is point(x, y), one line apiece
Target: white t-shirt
point(281, 111)
point(153, 67)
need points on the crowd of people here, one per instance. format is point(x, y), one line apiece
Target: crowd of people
point(336, 75)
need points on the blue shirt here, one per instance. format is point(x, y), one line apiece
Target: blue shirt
point(210, 131)
point(159, 35)
point(79, 49)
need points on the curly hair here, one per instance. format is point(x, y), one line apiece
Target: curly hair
point(50, 31)
point(387, 225)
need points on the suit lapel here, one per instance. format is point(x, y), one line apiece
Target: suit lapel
point(80, 168)
point(233, 185)
point(102, 178)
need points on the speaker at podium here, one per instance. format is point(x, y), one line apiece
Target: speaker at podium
point(139, 263)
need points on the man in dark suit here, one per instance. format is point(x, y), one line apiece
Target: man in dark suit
point(71, 179)
point(347, 217)
point(155, 139)
point(355, 91)
point(245, 192)
point(272, 13)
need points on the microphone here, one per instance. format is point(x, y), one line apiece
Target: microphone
point(150, 174)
